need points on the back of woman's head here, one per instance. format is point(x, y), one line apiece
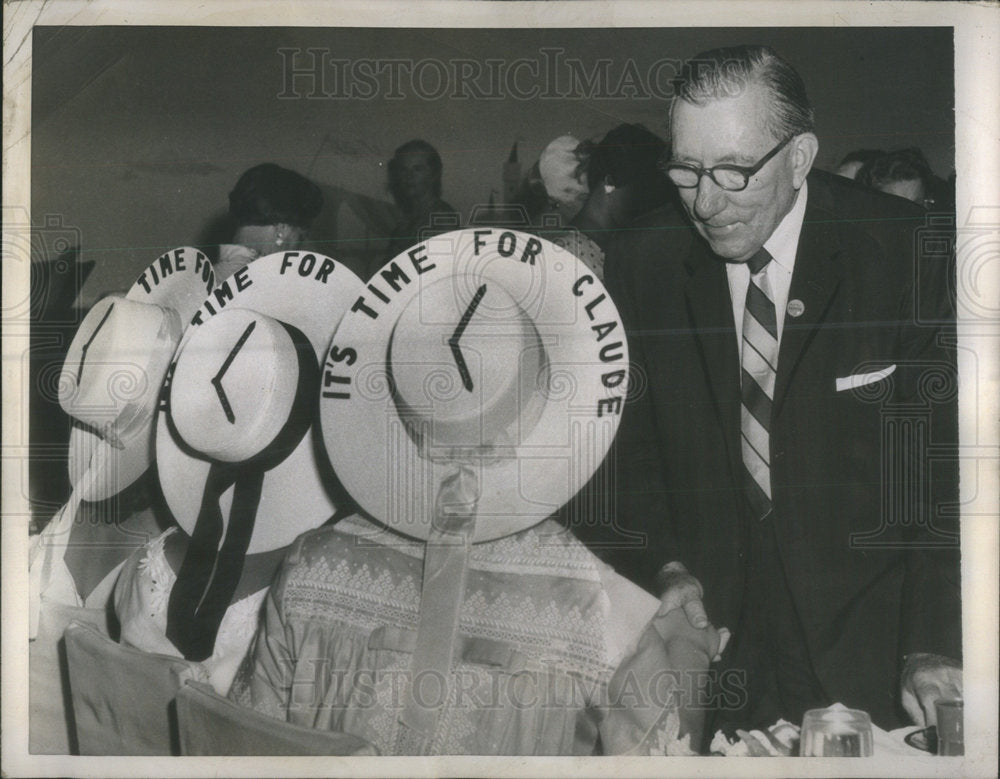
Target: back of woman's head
point(268, 194)
point(628, 156)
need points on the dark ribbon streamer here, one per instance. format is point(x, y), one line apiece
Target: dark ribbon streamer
point(210, 573)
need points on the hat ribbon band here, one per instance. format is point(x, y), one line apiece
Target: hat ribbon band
point(209, 574)
point(446, 565)
point(134, 414)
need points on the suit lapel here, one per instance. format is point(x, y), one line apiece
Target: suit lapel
point(711, 315)
point(815, 281)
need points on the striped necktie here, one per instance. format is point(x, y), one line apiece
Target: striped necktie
point(759, 363)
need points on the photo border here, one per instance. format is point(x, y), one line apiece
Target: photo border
point(977, 75)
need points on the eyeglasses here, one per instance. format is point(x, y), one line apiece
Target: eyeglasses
point(732, 178)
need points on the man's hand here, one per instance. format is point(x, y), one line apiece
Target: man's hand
point(926, 679)
point(679, 589)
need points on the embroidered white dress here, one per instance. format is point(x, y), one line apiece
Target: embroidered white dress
point(554, 650)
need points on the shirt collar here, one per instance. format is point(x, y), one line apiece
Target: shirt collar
point(785, 239)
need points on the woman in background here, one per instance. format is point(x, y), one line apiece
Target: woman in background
point(272, 209)
point(625, 181)
point(415, 184)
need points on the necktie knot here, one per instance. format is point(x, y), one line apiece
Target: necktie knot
point(759, 261)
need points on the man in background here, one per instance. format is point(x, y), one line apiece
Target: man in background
point(855, 160)
point(906, 173)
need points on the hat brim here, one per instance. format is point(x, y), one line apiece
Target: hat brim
point(380, 464)
point(296, 494)
point(178, 279)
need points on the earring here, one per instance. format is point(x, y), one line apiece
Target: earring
point(609, 188)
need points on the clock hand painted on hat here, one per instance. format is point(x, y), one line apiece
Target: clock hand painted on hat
point(217, 379)
point(456, 350)
point(86, 346)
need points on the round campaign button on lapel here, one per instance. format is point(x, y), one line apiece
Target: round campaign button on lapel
point(796, 308)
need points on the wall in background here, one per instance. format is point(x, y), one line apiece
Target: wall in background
point(139, 133)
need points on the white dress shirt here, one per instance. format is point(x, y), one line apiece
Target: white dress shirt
point(782, 245)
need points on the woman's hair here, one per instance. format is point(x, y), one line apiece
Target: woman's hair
point(628, 156)
point(268, 194)
point(433, 159)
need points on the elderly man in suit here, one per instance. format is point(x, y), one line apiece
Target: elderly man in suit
point(788, 459)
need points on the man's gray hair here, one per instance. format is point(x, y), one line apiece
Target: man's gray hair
point(726, 72)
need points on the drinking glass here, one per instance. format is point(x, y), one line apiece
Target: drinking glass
point(836, 732)
point(950, 738)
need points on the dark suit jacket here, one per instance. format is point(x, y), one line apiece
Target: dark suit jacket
point(864, 481)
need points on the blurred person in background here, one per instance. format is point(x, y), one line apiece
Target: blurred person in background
point(853, 161)
point(415, 183)
point(904, 173)
point(563, 177)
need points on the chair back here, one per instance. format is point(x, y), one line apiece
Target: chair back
point(50, 706)
point(213, 725)
point(122, 697)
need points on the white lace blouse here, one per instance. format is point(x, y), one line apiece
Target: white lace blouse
point(141, 598)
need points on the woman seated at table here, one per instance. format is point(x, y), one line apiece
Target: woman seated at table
point(109, 386)
point(236, 463)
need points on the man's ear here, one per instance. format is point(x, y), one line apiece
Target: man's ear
point(804, 149)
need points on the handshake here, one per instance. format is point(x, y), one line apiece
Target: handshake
point(678, 589)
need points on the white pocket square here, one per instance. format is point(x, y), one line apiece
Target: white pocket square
point(861, 379)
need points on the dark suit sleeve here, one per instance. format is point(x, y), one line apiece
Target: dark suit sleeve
point(629, 527)
point(931, 613)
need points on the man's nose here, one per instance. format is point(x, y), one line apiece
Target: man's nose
point(709, 199)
